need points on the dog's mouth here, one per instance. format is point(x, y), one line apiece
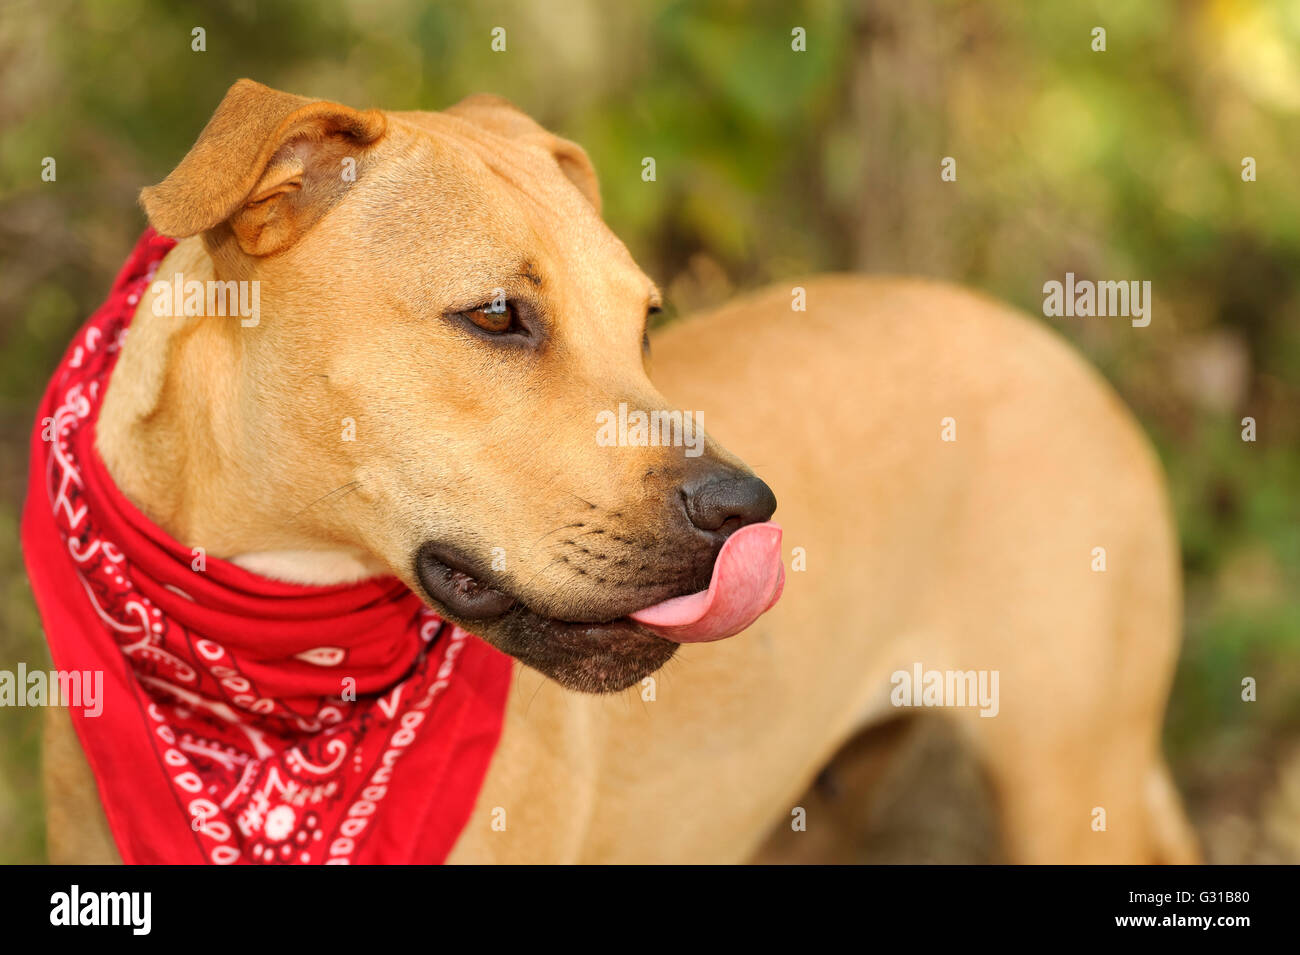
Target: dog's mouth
point(450, 580)
point(611, 651)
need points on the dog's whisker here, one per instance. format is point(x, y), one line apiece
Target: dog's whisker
point(540, 684)
point(595, 530)
point(348, 488)
point(562, 527)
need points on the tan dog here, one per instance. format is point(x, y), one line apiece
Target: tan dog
point(476, 429)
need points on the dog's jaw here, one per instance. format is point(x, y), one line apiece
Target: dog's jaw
point(586, 657)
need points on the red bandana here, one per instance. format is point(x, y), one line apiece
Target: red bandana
point(243, 719)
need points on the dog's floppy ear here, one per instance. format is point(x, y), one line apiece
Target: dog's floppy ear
point(268, 163)
point(502, 117)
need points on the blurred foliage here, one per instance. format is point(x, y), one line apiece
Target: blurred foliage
point(772, 163)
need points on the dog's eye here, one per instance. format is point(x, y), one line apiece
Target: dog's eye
point(650, 312)
point(495, 319)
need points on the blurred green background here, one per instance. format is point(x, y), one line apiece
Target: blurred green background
point(774, 163)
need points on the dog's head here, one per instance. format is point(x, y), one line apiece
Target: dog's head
point(450, 361)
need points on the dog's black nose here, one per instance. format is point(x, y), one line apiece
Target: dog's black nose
point(721, 505)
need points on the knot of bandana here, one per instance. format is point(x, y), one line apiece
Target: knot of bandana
point(243, 719)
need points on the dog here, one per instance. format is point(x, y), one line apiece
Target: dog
point(945, 467)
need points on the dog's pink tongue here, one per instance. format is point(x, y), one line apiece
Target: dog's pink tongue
point(747, 580)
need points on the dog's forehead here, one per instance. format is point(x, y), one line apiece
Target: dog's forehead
point(507, 200)
point(479, 160)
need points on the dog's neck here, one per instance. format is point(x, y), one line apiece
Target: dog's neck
point(169, 433)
